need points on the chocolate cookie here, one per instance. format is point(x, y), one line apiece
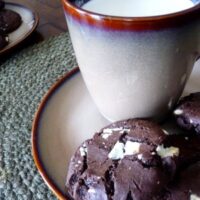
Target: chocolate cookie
point(185, 187)
point(189, 150)
point(9, 21)
point(2, 4)
point(187, 113)
point(122, 161)
point(3, 41)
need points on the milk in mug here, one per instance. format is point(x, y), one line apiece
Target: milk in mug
point(137, 8)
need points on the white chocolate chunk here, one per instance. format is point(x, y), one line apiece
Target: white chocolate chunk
point(126, 130)
point(194, 197)
point(91, 190)
point(106, 135)
point(167, 152)
point(178, 112)
point(165, 132)
point(83, 150)
point(131, 148)
point(139, 156)
point(117, 152)
point(186, 138)
point(107, 131)
point(117, 129)
point(111, 130)
point(84, 145)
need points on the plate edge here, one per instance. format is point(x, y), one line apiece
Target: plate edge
point(34, 134)
point(36, 22)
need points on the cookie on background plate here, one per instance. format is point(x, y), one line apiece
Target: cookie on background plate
point(187, 112)
point(3, 41)
point(189, 151)
point(122, 161)
point(185, 187)
point(9, 21)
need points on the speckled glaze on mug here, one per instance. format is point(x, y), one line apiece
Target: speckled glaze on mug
point(134, 66)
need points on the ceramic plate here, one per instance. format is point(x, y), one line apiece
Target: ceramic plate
point(65, 118)
point(29, 23)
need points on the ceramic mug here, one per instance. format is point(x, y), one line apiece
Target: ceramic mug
point(134, 66)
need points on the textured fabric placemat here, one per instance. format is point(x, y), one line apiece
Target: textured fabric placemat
point(24, 79)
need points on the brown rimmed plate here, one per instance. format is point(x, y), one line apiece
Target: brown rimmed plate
point(30, 21)
point(65, 118)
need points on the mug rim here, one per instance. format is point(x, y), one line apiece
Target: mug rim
point(132, 23)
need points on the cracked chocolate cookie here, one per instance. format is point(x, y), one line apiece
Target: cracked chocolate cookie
point(122, 161)
point(187, 113)
point(9, 21)
point(189, 150)
point(3, 41)
point(185, 187)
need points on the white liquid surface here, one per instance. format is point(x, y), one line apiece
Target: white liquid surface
point(137, 8)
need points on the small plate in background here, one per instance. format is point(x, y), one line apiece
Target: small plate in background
point(30, 21)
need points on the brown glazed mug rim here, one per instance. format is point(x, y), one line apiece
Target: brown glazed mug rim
point(132, 23)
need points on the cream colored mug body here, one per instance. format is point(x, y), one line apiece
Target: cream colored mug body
point(134, 67)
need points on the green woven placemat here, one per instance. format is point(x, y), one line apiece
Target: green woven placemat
point(24, 79)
